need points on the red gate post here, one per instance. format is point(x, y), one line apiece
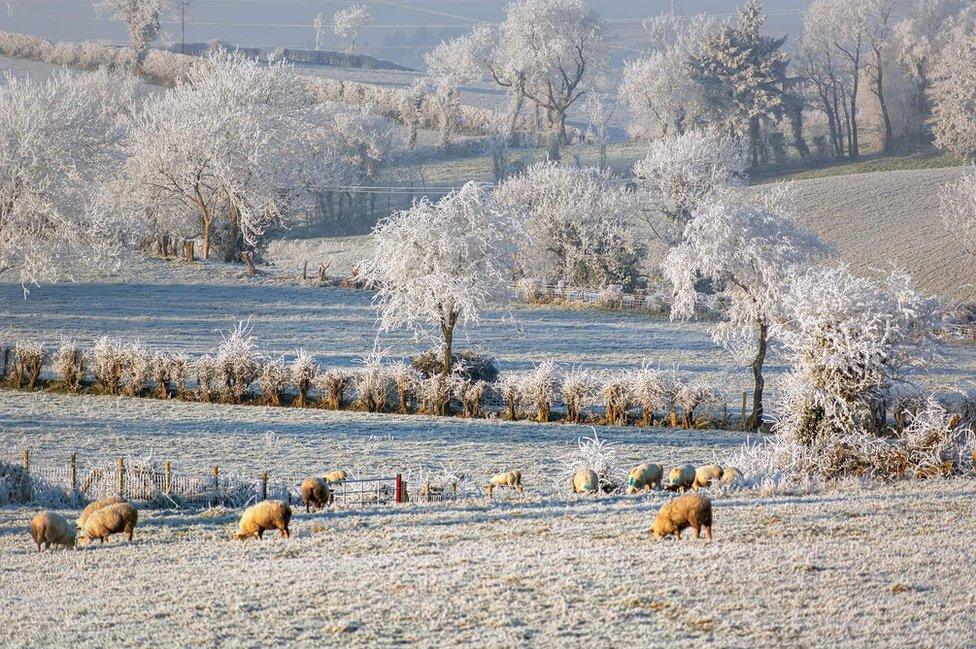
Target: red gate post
point(399, 488)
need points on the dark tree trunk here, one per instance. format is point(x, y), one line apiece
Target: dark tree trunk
point(755, 421)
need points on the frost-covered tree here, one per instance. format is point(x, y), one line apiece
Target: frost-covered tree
point(744, 75)
point(657, 87)
point(180, 9)
point(833, 57)
point(59, 144)
point(349, 21)
point(546, 51)
point(959, 210)
point(598, 111)
point(141, 20)
point(848, 341)
point(681, 172)
point(440, 265)
point(879, 18)
point(318, 27)
point(232, 146)
point(579, 225)
point(749, 254)
point(953, 93)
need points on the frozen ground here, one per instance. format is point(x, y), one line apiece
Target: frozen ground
point(887, 567)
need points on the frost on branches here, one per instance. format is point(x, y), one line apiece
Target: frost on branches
point(681, 172)
point(59, 143)
point(438, 265)
point(230, 148)
point(141, 19)
point(953, 96)
point(849, 341)
point(749, 254)
point(578, 222)
point(348, 22)
point(959, 210)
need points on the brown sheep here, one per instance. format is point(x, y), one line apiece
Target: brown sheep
point(645, 476)
point(586, 481)
point(731, 476)
point(511, 479)
point(95, 506)
point(335, 477)
point(690, 510)
point(114, 519)
point(705, 475)
point(681, 478)
point(265, 515)
point(50, 528)
point(316, 493)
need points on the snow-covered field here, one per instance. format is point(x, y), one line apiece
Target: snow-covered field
point(888, 567)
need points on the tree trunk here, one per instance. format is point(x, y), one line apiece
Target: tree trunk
point(755, 421)
point(206, 238)
point(447, 331)
point(854, 149)
point(889, 135)
point(754, 141)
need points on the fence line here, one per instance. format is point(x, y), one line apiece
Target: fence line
point(153, 482)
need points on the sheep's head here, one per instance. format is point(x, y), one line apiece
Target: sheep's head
point(660, 528)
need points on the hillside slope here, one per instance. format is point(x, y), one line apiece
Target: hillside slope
point(891, 218)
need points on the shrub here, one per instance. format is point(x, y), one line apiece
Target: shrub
point(373, 385)
point(510, 389)
point(15, 485)
point(274, 381)
point(205, 369)
point(69, 365)
point(135, 370)
point(303, 372)
point(407, 380)
point(616, 399)
point(160, 367)
point(29, 356)
point(691, 396)
point(577, 388)
point(539, 389)
point(471, 395)
point(435, 393)
point(179, 374)
point(107, 362)
point(469, 364)
point(647, 391)
point(332, 384)
point(237, 362)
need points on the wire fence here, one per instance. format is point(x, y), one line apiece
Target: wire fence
point(75, 481)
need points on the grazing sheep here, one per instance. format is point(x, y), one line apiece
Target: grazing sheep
point(316, 493)
point(511, 479)
point(645, 476)
point(586, 481)
point(265, 515)
point(335, 477)
point(681, 478)
point(705, 475)
point(114, 519)
point(690, 510)
point(50, 528)
point(731, 476)
point(95, 506)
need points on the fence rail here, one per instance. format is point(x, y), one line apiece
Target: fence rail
point(74, 482)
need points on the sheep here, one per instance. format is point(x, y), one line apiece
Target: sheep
point(265, 515)
point(93, 507)
point(120, 517)
point(335, 477)
point(731, 476)
point(645, 476)
point(681, 478)
point(586, 481)
point(50, 528)
point(511, 479)
point(316, 493)
point(705, 475)
point(690, 510)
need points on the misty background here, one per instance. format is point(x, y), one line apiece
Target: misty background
point(403, 30)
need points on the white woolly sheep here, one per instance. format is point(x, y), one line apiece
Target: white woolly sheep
point(731, 476)
point(265, 515)
point(93, 507)
point(690, 510)
point(114, 519)
point(50, 528)
point(645, 476)
point(586, 481)
point(705, 475)
point(316, 493)
point(335, 477)
point(681, 478)
point(511, 479)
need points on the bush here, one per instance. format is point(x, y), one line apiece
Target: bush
point(332, 384)
point(540, 388)
point(69, 365)
point(107, 363)
point(136, 370)
point(303, 371)
point(468, 364)
point(29, 357)
point(577, 388)
point(15, 484)
point(274, 381)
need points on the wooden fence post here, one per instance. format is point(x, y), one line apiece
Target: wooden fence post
point(120, 470)
point(25, 460)
point(264, 485)
point(216, 484)
point(399, 488)
point(742, 422)
point(74, 474)
point(167, 477)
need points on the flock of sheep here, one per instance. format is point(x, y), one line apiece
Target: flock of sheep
point(113, 515)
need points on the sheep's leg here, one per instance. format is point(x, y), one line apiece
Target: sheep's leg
point(261, 533)
point(38, 546)
point(284, 532)
point(708, 530)
point(130, 535)
point(697, 531)
point(677, 533)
